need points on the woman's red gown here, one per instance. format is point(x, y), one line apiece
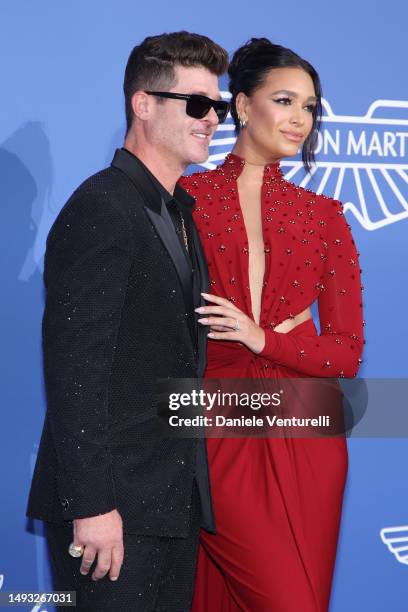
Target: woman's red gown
point(277, 502)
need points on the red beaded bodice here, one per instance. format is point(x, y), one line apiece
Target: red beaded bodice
point(309, 254)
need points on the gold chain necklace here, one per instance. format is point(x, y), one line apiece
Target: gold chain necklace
point(183, 231)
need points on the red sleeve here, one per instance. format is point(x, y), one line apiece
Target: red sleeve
point(337, 350)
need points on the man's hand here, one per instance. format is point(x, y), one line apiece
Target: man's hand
point(102, 537)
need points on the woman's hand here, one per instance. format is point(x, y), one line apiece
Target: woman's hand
point(227, 322)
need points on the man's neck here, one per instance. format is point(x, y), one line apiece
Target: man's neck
point(166, 170)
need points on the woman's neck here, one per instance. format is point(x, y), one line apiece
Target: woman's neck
point(253, 156)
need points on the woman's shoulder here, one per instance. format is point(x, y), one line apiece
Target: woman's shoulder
point(200, 182)
point(324, 211)
point(319, 202)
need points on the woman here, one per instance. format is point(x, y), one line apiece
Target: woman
point(273, 249)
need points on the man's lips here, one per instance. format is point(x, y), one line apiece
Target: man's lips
point(202, 135)
point(294, 136)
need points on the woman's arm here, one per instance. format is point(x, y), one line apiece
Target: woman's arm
point(337, 350)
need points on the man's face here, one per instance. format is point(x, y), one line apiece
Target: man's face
point(180, 138)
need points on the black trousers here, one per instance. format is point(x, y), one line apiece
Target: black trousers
point(157, 574)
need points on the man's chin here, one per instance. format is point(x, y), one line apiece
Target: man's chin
point(200, 152)
point(200, 159)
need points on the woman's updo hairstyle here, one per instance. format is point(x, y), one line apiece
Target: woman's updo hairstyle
point(249, 69)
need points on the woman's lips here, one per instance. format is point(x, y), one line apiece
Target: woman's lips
point(293, 136)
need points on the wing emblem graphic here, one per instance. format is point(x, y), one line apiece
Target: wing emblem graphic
point(396, 539)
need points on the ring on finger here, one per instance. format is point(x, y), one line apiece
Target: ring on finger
point(75, 551)
point(236, 326)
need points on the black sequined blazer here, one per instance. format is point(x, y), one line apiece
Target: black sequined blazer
point(119, 315)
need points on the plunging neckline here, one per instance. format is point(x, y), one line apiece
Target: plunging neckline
point(268, 169)
point(251, 249)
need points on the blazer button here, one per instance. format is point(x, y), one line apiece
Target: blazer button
point(65, 503)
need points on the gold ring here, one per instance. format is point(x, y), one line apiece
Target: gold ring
point(75, 551)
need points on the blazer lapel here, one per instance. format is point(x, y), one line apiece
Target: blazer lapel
point(165, 229)
point(204, 287)
point(159, 216)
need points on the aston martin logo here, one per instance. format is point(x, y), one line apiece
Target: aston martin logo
point(396, 538)
point(361, 160)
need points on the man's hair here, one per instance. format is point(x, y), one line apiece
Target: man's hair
point(151, 65)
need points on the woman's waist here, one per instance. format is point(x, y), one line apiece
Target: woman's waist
point(235, 356)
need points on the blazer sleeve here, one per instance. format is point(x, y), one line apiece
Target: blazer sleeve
point(337, 351)
point(87, 266)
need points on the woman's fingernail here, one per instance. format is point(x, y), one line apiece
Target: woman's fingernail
point(203, 321)
point(201, 309)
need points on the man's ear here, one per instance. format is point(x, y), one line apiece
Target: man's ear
point(141, 105)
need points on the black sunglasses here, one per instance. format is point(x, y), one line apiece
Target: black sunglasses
point(197, 106)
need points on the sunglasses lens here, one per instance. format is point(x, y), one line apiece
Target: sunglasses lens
point(199, 106)
point(222, 109)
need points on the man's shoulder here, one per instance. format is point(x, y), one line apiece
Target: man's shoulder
point(101, 199)
point(107, 182)
point(108, 189)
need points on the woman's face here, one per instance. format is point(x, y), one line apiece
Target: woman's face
point(279, 114)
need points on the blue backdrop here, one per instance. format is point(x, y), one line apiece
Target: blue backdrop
point(61, 117)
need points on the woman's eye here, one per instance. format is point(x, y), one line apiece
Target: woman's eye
point(310, 108)
point(285, 101)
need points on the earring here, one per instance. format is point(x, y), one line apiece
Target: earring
point(242, 122)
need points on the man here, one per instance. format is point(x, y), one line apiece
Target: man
point(123, 273)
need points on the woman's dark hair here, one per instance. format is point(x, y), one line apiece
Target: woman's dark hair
point(249, 69)
point(151, 64)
